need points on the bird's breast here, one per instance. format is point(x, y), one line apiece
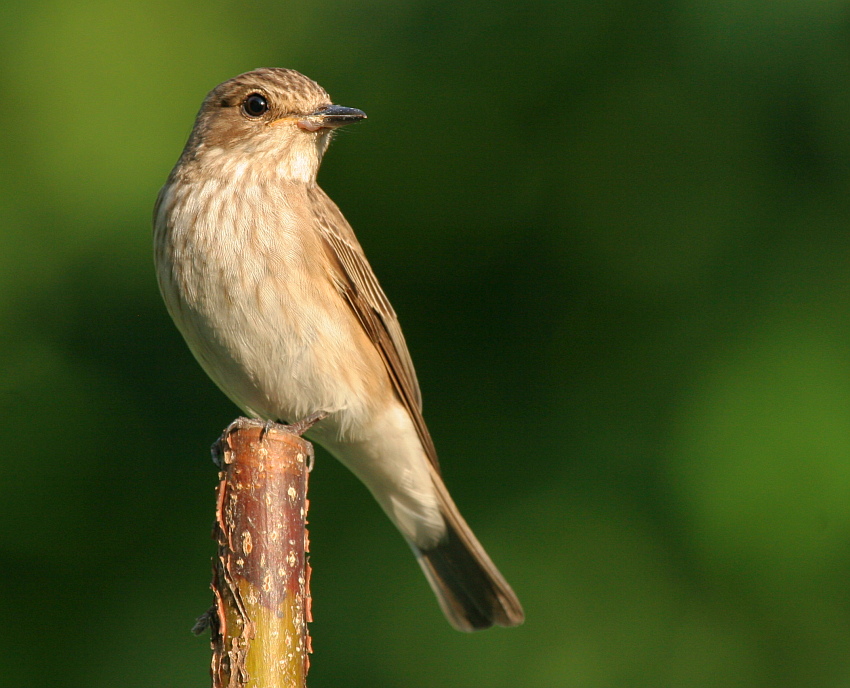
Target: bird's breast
point(247, 281)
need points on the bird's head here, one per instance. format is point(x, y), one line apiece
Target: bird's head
point(276, 117)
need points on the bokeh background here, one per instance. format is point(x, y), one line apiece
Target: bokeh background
point(616, 233)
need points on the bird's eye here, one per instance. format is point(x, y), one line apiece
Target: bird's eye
point(255, 105)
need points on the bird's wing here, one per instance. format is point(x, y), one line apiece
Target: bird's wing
point(358, 284)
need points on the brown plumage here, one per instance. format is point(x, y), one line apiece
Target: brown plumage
point(273, 293)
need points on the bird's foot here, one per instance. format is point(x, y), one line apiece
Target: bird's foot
point(268, 425)
point(239, 424)
point(299, 427)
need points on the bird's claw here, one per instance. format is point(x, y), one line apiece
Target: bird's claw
point(239, 424)
point(298, 428)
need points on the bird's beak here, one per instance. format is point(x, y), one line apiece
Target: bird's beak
point(330, 117)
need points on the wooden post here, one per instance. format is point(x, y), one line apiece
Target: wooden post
point(261, 579)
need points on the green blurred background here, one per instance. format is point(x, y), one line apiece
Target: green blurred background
point(616, 234)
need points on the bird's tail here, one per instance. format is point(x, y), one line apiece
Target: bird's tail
point(472, 593)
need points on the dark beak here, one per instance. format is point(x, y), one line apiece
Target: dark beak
point(333, 116)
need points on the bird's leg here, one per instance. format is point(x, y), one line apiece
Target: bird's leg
point(299, 427)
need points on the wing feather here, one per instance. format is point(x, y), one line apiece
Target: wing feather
point(359, 286)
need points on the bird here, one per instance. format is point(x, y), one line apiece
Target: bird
point(272, 292)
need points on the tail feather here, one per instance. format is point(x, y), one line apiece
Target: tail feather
point(472, 593)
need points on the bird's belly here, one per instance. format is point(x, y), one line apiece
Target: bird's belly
point(286, 355)
point(274, 333)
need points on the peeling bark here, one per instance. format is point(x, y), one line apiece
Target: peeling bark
point(261, 578)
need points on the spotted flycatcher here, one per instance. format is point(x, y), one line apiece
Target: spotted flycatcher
point(269, 286)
